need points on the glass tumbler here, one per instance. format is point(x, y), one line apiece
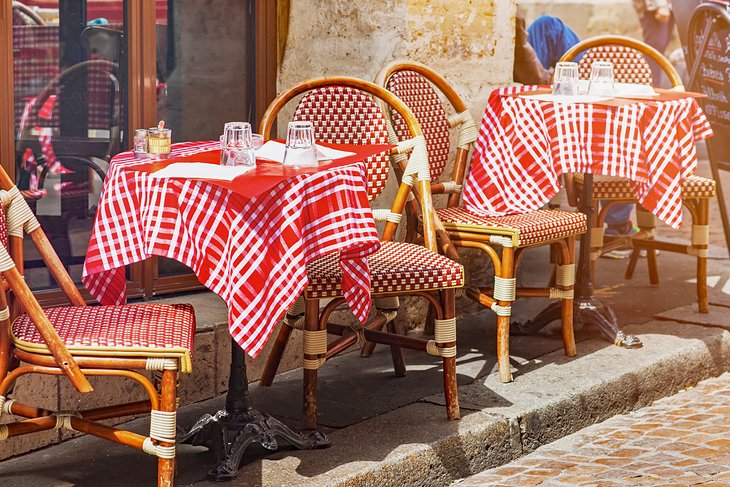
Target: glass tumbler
point(565, 81)
point(601, 83)
point(300, 150)
point(236, 145)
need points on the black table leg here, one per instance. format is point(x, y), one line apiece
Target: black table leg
point(587, 309)
point(231, 430)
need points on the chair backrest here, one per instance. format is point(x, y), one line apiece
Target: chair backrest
point(17, 219)
point(424, 91)
point(343, 110)
point(357, 120)
point(629, 58)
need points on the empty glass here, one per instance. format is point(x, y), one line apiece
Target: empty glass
point(601, 83)
point(236, 145)
point(257, 141)
point(565, 81)
point(300, 150)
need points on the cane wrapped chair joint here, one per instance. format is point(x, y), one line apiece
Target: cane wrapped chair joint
point(426, 93)
point(345, 110)
point(80, 341)
point(629, 58)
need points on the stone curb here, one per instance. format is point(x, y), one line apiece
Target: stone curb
point(416, 446)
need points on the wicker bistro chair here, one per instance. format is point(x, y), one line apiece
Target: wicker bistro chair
point(630, 66)
point(417, 86)
point(343, 111)
point(81, 341)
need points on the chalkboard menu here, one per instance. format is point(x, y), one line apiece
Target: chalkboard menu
point(708, 56)
point(709, 39)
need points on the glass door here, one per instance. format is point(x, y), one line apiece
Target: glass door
point(205, 79)
point(69, 111)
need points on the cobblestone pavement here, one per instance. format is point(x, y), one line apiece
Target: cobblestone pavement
point(679, 440)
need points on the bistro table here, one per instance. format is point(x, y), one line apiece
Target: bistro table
point(247, 240)
point(525, 145)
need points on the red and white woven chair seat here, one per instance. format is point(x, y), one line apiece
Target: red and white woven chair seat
point(396, 267)
point(139, 331)
point(629, 65)
point(612, 187)
point(531, 228)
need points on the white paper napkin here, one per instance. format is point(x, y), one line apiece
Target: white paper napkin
point(201, 170)
point(624, 90)
point(274, 151)
point(566, 99)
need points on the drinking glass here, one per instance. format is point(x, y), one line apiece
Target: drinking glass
point(601, 83)
point(236, 145)
point(257, 141)
point(565, 81)
point(300, 150)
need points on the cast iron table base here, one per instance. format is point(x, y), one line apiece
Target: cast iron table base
point(231, 430)
point(587, 309)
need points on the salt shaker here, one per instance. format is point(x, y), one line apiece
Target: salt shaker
point(140, 143)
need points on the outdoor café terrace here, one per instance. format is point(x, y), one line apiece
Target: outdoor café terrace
point(297, 242)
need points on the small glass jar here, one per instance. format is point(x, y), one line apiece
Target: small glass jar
point(140, 143)
point(159, 141)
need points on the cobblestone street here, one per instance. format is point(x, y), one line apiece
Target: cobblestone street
point(681, 440)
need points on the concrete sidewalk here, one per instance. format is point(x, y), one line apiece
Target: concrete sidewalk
point(392, 431)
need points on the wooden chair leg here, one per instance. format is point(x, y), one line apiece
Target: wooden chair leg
point(635, 254)
point(399, 361)
point(274, 358)
point(703, 219)
point(566, 305)
point(451, 393)
point(653, 268)
point(168, 403)
point(314, 352)
point(503, 322)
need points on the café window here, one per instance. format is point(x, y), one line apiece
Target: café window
point(86, 73)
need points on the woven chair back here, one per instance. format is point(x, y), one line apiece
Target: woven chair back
point(423, 100)
point(629, 58)
point(344, 109)
point(346, 115)
point(629, 66)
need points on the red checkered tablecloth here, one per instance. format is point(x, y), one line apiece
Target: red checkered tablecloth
point(250, 251)
point(524, 146)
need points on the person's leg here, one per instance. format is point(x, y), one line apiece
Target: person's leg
point(657, 35)
point(618, 219)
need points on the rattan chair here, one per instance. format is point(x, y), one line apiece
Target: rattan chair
point(343, 111)
point(81, 341)
point(630, 66)
point(419, 87)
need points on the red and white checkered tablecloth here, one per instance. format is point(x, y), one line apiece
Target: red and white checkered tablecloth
point(525, 145)
point(251, 252)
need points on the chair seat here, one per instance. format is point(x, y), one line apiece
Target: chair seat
point(526, 229)
point(612, 187)
point(396, 267)
point(147, 331)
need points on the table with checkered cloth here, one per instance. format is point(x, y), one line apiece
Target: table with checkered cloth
point(525, 145)
point(251, 252)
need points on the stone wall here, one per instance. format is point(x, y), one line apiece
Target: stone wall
point(470, 43)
